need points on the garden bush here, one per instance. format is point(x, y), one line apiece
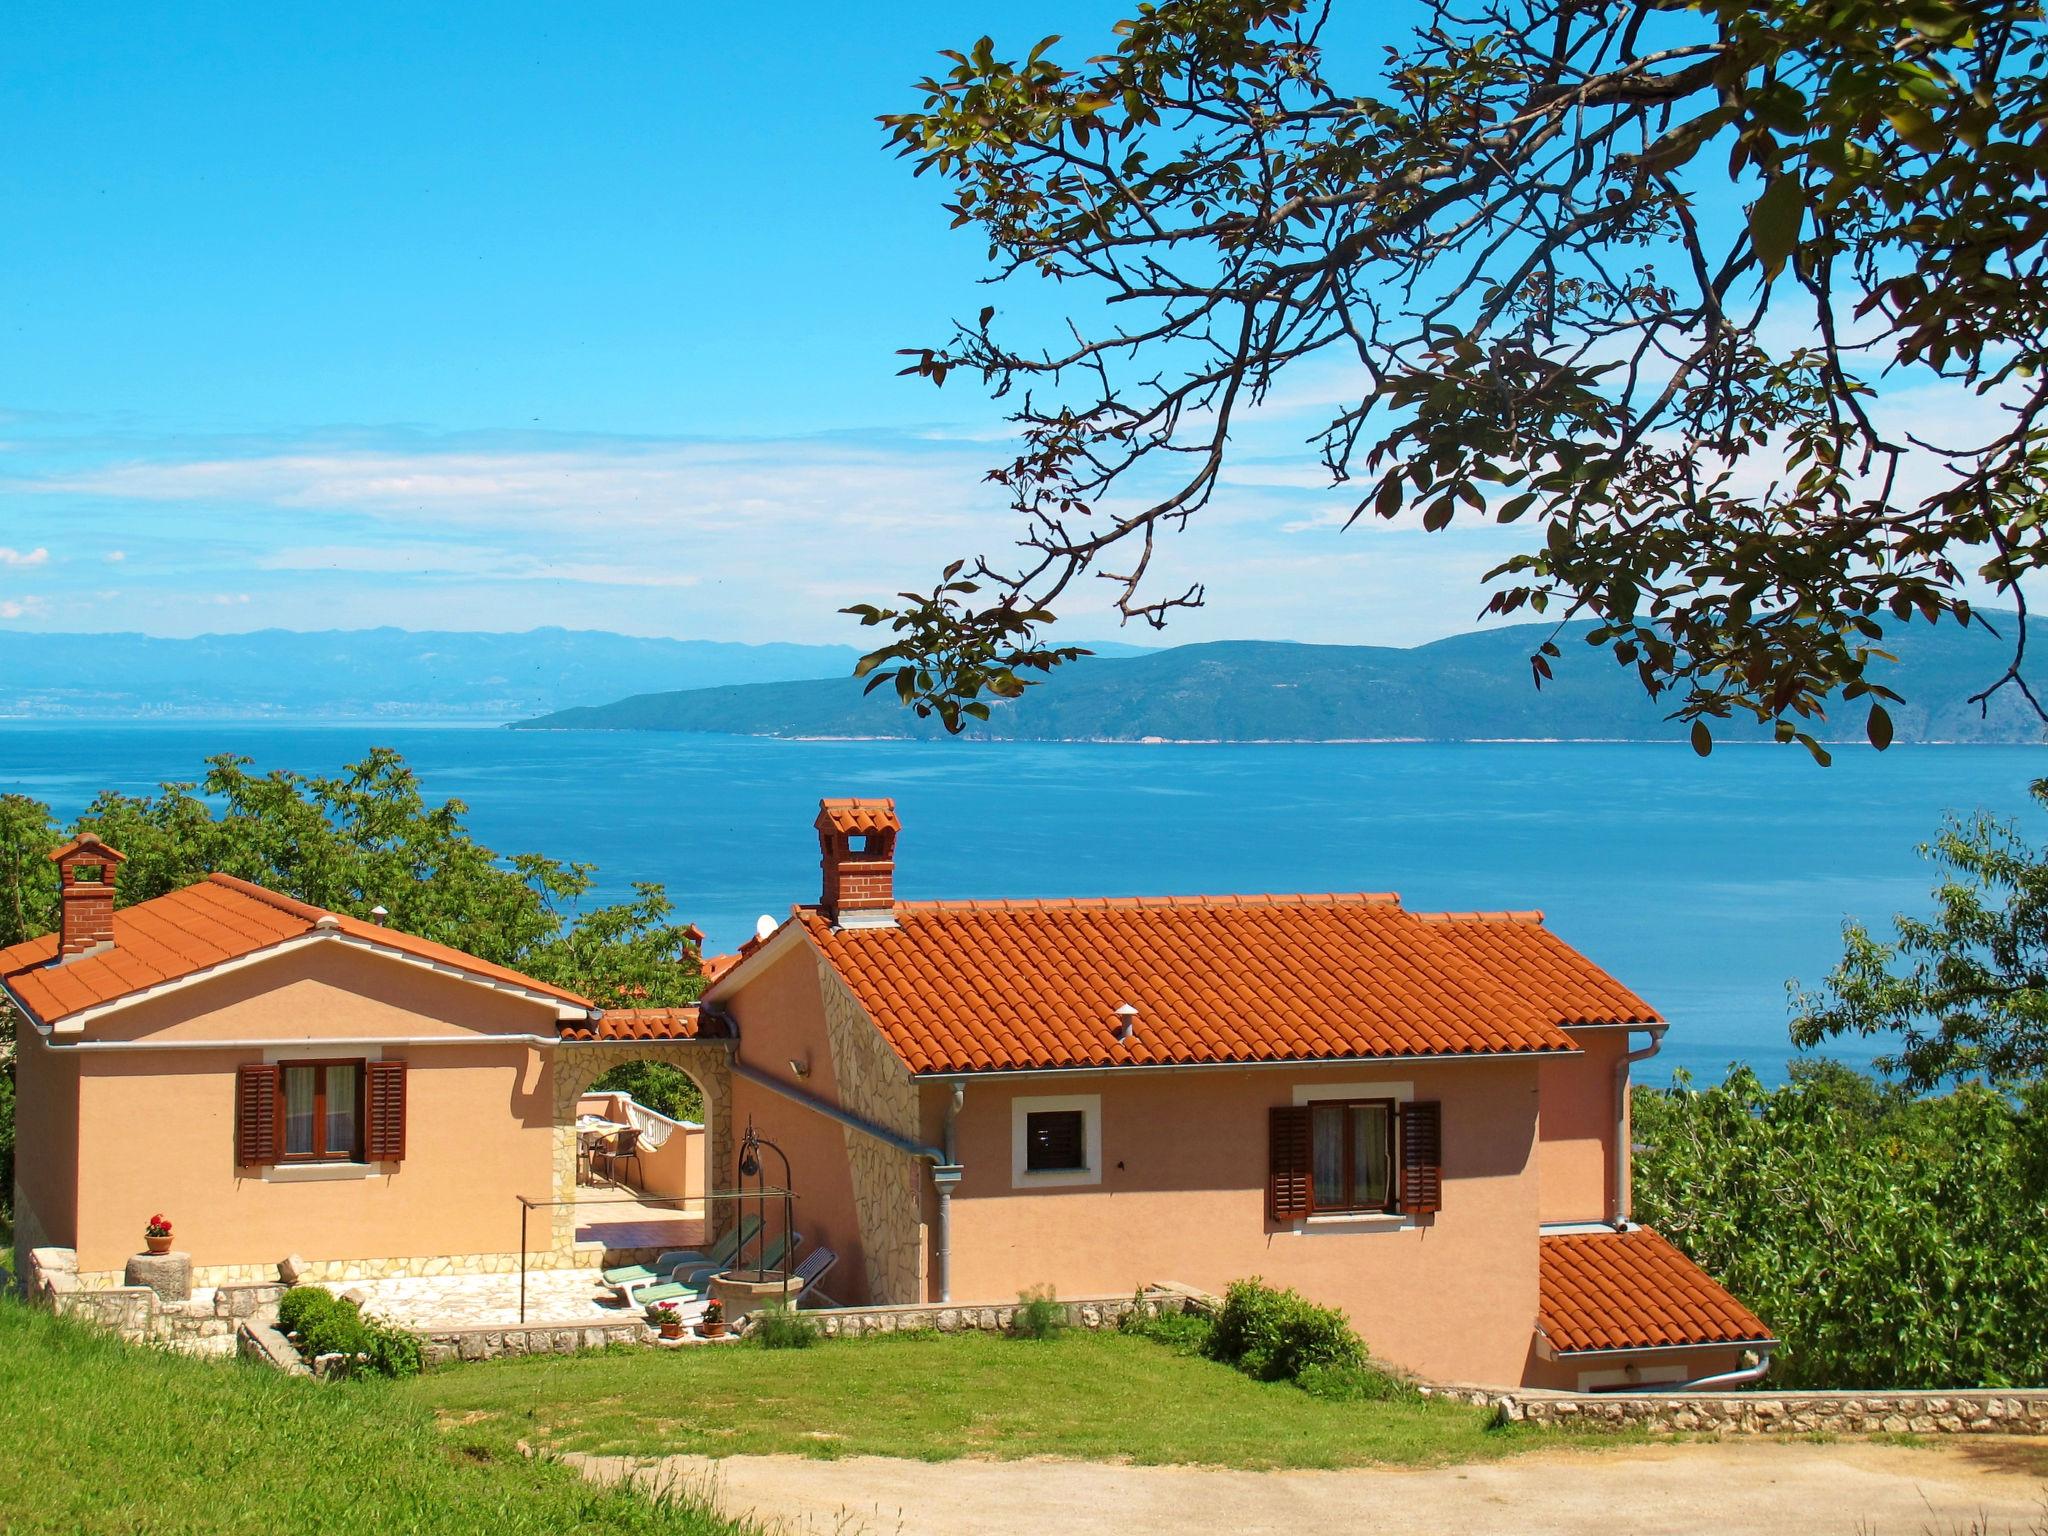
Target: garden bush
point(1275, 1335)
point(328, 1325)
point(303, 1306)
point(781, 1328)
point(1039, 1315)
point(1355, 1384)
point(1185, 1333)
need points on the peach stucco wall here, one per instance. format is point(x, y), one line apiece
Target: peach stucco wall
point(1182, 1198)
point(781, 1017)
point(156, 1128)
point(1578, 1130)
point(45, 1142)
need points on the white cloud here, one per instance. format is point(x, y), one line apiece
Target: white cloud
point(22, 607)
point(115, 556)
point(23, 557)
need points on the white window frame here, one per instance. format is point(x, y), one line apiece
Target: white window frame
point(1021, 1110)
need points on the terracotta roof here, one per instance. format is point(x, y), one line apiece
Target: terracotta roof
point(1633, 1290)
point(859, 816)
point(1010, 985)
point(209, 923)
point(640, 1024)
point(711, 967)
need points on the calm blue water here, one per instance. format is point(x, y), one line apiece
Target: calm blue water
point(1703, 884)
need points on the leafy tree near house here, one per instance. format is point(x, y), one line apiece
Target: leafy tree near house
point(1506, 236)
point(363, 837)
point(1965, 990)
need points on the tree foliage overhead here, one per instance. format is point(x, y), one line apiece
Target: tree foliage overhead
point(1506, 233)
point(362, 838)
point(1889, 1241)
point(1965, 990)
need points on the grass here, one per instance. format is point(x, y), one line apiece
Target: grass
point(103, 1436)
point(935, 1397)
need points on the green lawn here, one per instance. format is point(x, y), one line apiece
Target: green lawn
point(936, 1397)
point(102, 1436)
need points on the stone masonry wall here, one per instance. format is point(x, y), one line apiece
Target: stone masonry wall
point(1982, 1412)
point(204, 1325)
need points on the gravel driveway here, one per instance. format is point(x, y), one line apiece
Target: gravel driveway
point(1727, 1488)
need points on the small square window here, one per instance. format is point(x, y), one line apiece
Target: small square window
point(1055, 1141)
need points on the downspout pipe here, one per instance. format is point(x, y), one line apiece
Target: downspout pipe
point(1738, 1378)
point(945, 1172)
point(1617, 1215)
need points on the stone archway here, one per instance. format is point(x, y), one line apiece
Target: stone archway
point(577, 1066)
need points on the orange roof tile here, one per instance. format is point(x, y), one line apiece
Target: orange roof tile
point(859, 816)
point(1633, 1290)
point(989, 986)
point(209, 923)
point(641, 1024)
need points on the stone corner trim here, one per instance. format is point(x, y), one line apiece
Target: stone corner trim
point(2017, 1411)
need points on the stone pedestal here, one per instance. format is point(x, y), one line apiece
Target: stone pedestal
point(168, 1274)
point(741, 1291)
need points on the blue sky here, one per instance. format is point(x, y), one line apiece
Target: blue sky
point(488, 317)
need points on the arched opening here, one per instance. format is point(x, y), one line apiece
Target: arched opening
point(642, 1131)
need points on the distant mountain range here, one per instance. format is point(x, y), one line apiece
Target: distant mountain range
point(1471, 687)
point(371, 673)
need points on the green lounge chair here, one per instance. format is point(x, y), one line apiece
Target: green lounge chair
point(720, 1252)
point(689, 1284)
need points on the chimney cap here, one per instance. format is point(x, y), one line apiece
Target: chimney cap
point(86, 847)
point(855, 816)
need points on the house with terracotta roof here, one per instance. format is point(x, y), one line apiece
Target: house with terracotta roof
point(1421, 1118)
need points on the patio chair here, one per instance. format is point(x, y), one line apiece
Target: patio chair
point(624, 1148)
point(720, 1253)
point(809, 1274)
point(688, 1284)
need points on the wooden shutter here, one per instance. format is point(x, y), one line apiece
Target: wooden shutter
point(255, 1115)
point(1288, 1162)
point(384, 1118)
point(1422, 1158)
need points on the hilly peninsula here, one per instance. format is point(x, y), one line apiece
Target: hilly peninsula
point(1471, 687)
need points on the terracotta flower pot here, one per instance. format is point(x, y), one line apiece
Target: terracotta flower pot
point(672, 1329)
point(158, 1244)
point(712, 1330)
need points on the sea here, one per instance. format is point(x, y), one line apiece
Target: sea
point(1707, 884)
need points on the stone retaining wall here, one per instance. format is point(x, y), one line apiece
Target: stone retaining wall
point(261, 1342)
point(1090, 1312)
point(206, 1324)
point(321, 1271)
point(445, 1346)
point(2017, 1412)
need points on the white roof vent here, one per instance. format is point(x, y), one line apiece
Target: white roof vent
point(378, 913)
point(1126, 1020)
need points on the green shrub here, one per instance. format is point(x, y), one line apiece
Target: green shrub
point(1355, 1384)
point(1274, 1335)
point(1039, 1315)
point(393, 1351)
point(781, 1328)
point(303, 1306)
point(1185, 1333)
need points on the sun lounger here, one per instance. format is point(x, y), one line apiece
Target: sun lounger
point(664, 1265)
point(688, 1284)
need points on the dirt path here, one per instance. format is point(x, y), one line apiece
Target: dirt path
point(1728, 1489)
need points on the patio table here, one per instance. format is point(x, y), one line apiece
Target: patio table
point(590, 1130)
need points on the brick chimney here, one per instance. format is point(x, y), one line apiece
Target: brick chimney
point(857, 849)
point(85, 877)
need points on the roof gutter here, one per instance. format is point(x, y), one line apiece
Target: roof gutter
point(1617, 1213)
point(294, 1042)
point(1738, 1378)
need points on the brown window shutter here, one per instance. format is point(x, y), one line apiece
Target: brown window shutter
point(384, 1098)
point(1422, 1158)
point(255, 1115)
point(1288, 1163)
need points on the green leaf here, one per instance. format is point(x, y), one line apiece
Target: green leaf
point(1774, 220)
point(1702, 738)
point(1879, 727)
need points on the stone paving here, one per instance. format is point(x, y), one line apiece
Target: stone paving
point(569, 1296)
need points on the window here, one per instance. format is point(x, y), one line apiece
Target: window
point(1055, 1141)
point(1352, 1156)
point(323, 1111)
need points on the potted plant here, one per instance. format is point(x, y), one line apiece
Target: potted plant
point(713, 1324)
point(158, 1233)
point(665, 1316)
